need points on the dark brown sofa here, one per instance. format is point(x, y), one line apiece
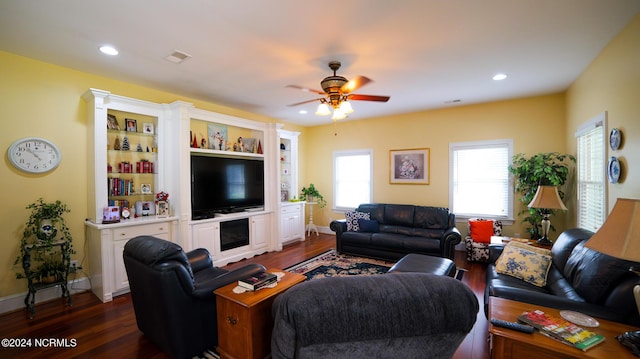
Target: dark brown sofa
point(399, 229)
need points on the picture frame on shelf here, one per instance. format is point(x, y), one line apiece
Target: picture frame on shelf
point(147, 128)
point(112, 122)
point(145, 188)
point(250, 144)
point(132, 125)
point(409, 166)
point(162, 209)
point(217, 136)
point(284, 195)
point(145, 208)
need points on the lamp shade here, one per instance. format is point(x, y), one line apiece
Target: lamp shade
point(547, 197)
point(619, 236)
point(323, 110)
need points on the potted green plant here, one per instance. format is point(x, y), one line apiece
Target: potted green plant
point(311, 194)
point(550, 169)
point(44, 228)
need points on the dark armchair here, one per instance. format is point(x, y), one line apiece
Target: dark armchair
point(405, 315)
point(172, 294)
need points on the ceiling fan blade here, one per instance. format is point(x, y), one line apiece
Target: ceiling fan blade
point(357, 97)
point(354, 84)
point(306, 89)
point(303, 102)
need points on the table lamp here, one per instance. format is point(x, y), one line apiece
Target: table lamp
point(619, 237)
point(546, 198)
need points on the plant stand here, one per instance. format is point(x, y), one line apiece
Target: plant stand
point(36, 282)
point(311, 226)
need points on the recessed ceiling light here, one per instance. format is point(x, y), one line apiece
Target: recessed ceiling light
point(499, 77)
point(302, 112)
point(109, 50)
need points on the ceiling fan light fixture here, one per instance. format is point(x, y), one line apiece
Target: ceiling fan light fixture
point(345, 107)
point(323, 110)
point(338, 115)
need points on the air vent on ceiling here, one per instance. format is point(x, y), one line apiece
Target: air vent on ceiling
point(177, 57)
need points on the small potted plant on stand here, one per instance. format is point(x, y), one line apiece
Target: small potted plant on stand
point(45, 249)
point(311, 194)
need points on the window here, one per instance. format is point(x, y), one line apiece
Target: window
point(480, 184)
point(352, 172)
point(591, 173)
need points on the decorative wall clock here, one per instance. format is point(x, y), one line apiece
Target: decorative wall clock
point(34, 155)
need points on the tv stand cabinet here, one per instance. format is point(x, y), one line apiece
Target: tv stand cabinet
point(204, 133)
point(206, 234)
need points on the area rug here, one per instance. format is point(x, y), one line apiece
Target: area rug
point(332, 264)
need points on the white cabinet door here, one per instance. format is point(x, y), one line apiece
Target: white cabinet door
point(119, 271)
point(292, 222)
point(207, 235)
point(259, 232)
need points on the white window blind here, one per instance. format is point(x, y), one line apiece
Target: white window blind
point(591, 173)
point(480, 184)
point(352, 178)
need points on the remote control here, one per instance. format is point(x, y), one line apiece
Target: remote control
point(512, 325)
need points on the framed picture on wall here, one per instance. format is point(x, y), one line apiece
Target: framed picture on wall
point(409, 166)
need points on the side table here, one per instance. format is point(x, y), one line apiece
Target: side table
point(510, 344)
point(505, 240)
point(244, 320)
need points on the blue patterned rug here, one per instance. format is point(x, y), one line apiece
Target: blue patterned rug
point(332, 264)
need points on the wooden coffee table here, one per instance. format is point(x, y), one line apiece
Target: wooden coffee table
point(507, 343)
point(244, 320)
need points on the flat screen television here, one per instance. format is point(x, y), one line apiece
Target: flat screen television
point(225, 185)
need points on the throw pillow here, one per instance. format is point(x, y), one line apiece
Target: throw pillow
point(481, 230)
point(368, 225)
point(352, 219)
point(522, 261)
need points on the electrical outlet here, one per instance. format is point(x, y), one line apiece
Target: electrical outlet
point(73, 266)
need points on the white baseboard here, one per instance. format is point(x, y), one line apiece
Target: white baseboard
point(16, 301)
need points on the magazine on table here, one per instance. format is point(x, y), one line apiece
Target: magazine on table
point(562, 330)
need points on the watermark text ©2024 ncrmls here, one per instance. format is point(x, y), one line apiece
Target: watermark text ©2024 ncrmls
point(39, 342)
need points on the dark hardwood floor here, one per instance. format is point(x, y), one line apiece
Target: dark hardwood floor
point(92, 329)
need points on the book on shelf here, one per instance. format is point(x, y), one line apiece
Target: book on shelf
point(258, 281)
point(562, 330)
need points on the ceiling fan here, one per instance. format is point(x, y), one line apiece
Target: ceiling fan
point(338, 93)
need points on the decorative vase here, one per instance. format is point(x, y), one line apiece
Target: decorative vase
point(47, 229)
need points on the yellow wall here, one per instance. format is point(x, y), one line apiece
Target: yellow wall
point(535, 124)
point(612, 83)
point(43, 100)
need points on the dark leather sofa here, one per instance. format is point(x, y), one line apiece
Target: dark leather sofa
point(404, 315)
point(172, 294)
point(401, 229)
point(580, 279)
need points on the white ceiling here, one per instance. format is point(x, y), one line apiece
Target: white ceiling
point(422, 53)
